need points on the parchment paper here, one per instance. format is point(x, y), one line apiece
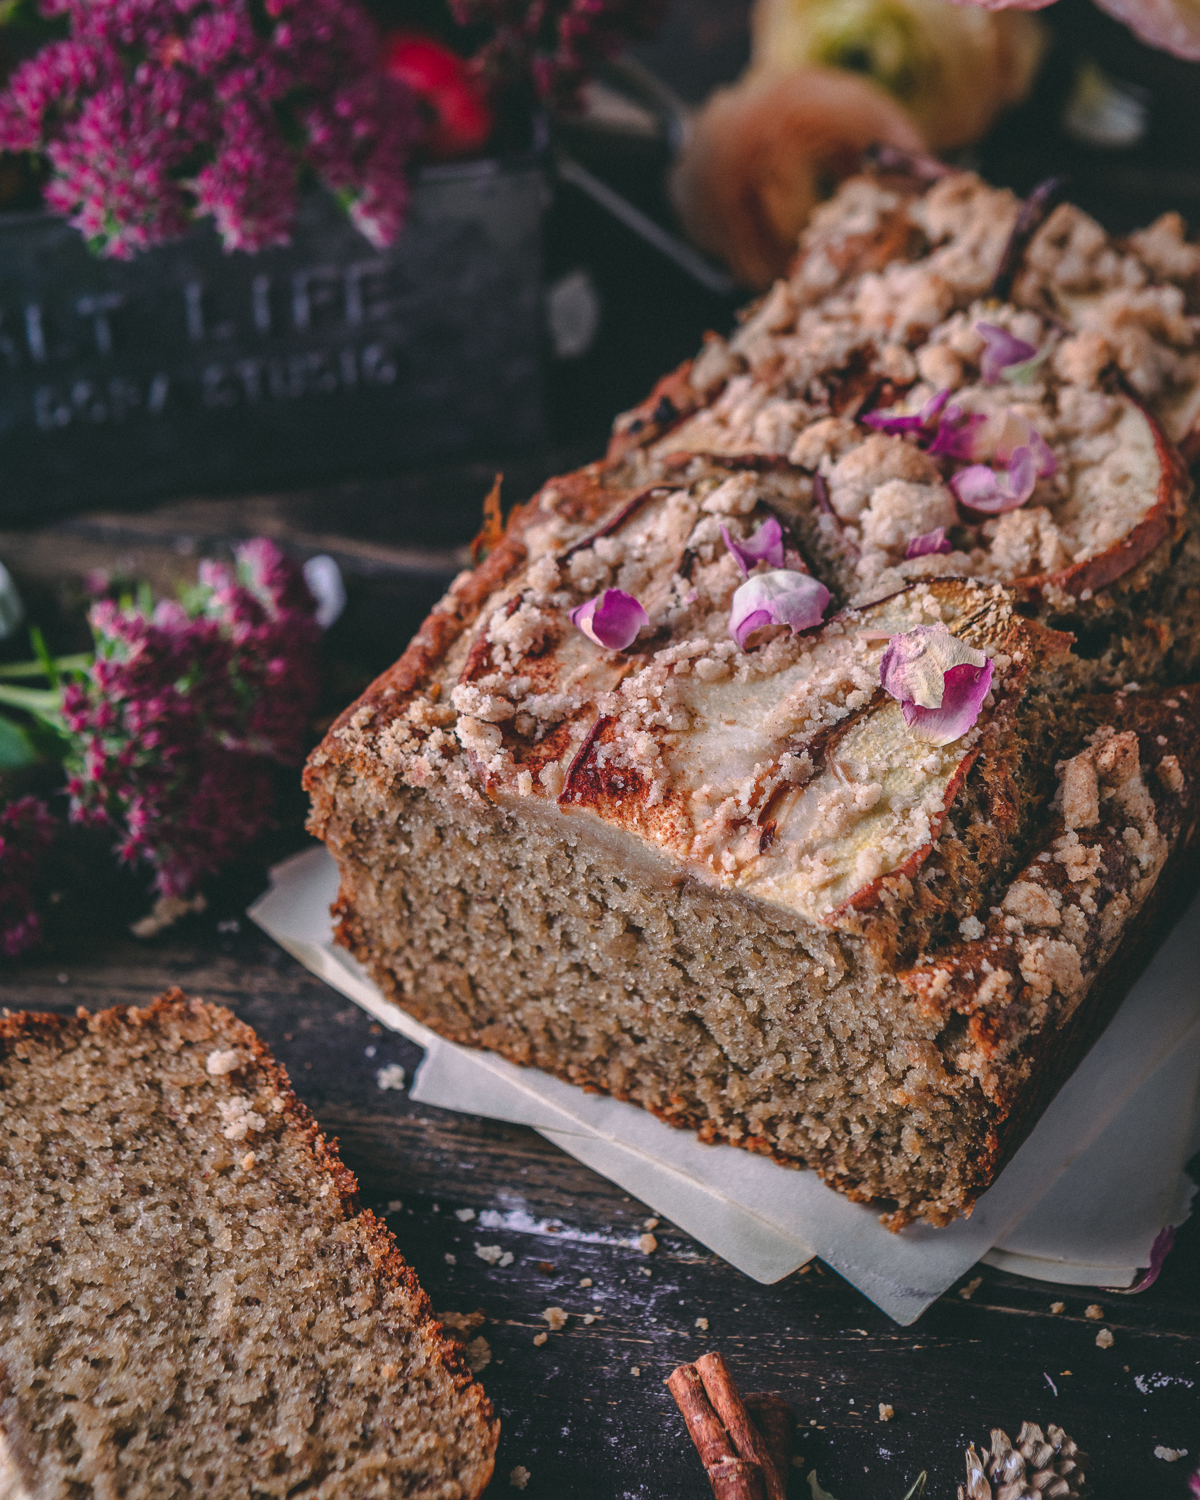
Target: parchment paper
point(1111, 1146)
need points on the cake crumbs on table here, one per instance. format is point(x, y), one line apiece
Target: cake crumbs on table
point(702, 1324)
point(519, 1477)
point(1104, 1339)
point(1094, 1311)
point(972, 1286)
point(1057, 1307)
point(647, 1244)
point(555, 1317)
point(540, 1338)
point(886, 1412)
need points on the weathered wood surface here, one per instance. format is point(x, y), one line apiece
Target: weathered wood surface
point(586, 1412)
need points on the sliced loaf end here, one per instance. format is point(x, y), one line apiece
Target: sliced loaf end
point(189, 1301)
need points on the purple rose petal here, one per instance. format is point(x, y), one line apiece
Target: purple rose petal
point(955, 435)
point(900, 422)
point(766, 545)
point(781, 597)
point(612, 619)
point(1159, 1250)
point(1003, 351)
point(932, 542)
point(939, 681)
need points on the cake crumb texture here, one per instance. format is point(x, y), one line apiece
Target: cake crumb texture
point(189, 1302)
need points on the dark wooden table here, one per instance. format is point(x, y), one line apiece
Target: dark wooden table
point(586, 1412)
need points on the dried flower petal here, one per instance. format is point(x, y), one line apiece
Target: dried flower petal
point(1170, 25)
point(939, 681)
point(956, 431)
point(766, 545)
point(781, 597)
point(982, 489)
point(894, 423)
point(1159, 1250)
point(612, 619)
point(1003, 351)
point(935, 541)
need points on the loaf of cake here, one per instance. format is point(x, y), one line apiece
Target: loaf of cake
point(810, 770)
point(190, 1303)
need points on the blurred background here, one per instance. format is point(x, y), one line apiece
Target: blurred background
point(325, 291)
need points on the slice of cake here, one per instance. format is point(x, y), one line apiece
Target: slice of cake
point(190, 1303)
point(716, 861)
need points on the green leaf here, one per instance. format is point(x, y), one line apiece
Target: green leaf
point(78, 663)
point(43, 701)
point(49, 669)
point(16, 748)
point(814, 1485)
point(915, 1493)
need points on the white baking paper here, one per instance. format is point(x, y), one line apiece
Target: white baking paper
point(1111, 1144)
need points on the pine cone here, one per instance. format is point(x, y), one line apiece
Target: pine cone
point(1042, 1466)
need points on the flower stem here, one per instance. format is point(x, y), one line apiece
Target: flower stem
point(78, 663)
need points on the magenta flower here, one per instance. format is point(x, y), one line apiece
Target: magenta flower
point(176, 725)
point(939, 681)
point(766, 545)
point(781, 597)
point(26, 833)
point(612, 619)
point(152, 113)
point(935, 541)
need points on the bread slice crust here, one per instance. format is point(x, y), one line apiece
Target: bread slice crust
point(242, 1329)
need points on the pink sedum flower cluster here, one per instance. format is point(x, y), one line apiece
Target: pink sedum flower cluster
point(26, 833)
point(178, 721)
point(557, 44)
point(155, 112)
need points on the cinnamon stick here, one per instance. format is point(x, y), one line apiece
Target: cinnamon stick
point(721, 1391)
point(735, 1479)
point(703, 1425)
point(776, 1421)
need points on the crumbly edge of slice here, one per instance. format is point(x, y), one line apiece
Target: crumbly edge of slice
point(395, 1311)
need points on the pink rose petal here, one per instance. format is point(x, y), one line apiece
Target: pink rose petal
point(981, 489)
point(766, 545)
point(932, 542)
point(780, 597)
point(1003, 350)
point(1170, 25)
point(939, 681)
point(612, 619)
